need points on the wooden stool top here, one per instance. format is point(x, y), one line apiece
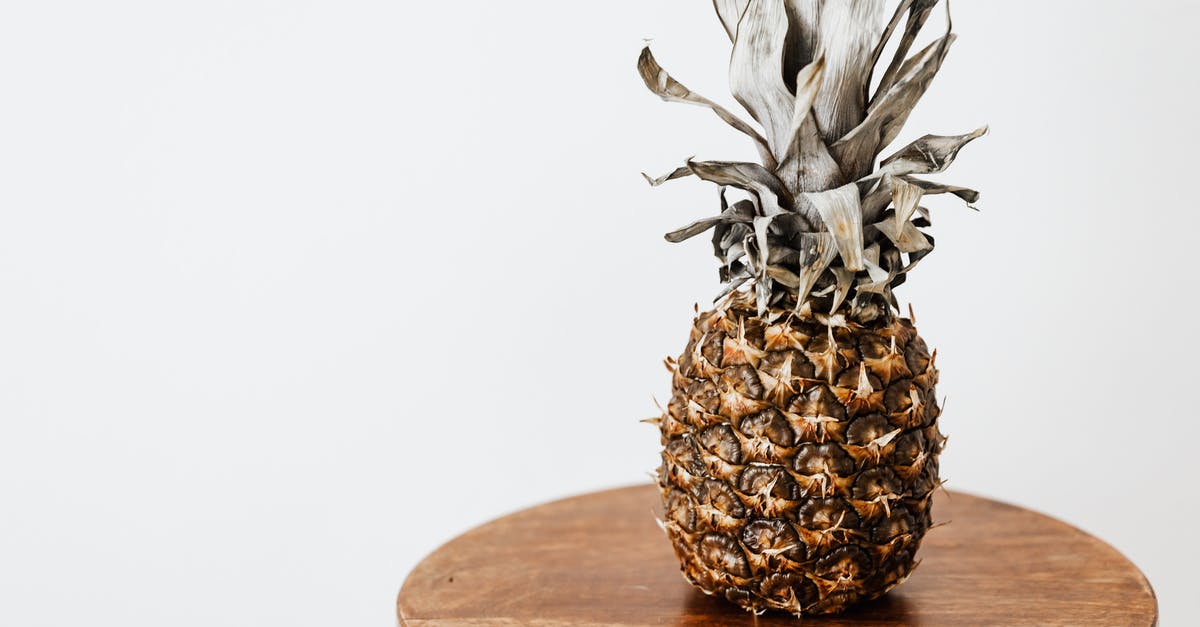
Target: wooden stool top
point(600, 559)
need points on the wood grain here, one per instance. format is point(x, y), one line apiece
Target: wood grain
point(599, 559)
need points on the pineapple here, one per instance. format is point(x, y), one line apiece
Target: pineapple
point(800, 444)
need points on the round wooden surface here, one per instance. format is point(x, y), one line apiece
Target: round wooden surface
point(600, 559)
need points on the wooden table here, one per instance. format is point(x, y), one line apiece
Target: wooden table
point(599, 559)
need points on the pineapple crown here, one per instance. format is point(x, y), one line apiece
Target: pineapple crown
point(819, 219)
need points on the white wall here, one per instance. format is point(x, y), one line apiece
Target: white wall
point(292, 292)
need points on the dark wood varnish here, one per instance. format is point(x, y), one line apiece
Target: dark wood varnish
point(599, 559)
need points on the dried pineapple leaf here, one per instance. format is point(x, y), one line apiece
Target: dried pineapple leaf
point(810, 167)
point(693, 229)
point(915, 258)
point(905, 197)
point(928, 155)
point(800, 46)
point(876, 193)
point(772, 195)
point(877, 280)
point(968, 195)
point(817, 251)
point(904, 235)
point(751, 249)
point(730, 12)
point(762, 225)
point(849, 32)
point(857, 150)
point(916, 89)
point(918, 13)
point(741, 211)
point(844, 279)
point(732, 284)
point(808, 85)
point(871, 256)
point(664, 86)
point(677, 173)
point(756, 71)
point(841, 212)
point(889, 29)
point(763, 288)
point(784, 276)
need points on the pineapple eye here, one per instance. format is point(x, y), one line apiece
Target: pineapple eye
point(898, 523)
point(680, 509)
point(722, 553)
point(682, 452)
point(875, 483)
point(788, 587)
point(909, 448)
point(828, 458)
point(771, 425)
point(760, 479)
point(867, 429)
point(721, 441)
point(705, 393)
point(720, 496)
point(820, 514)
point(846, 562)
point(773, 535)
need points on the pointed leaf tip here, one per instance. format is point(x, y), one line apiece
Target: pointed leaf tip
point(928, 155)
point(664, 86)
point(677, 173)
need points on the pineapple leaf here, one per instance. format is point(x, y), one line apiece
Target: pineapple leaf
point(771, 193)
point(878, 280)
point(905, 197)
point(924, 76)
point(928, 155)
point(762, 226)
point(730, 12)
point(886, 36)
point(763, 290)
point(808, 165)
point(756, 71)
point(817, 168)
point(918, 13)
point(904, 235)
point(800, 45)
point(849, 32)
point(664, 86)
point(817, 251)
point(741, 212)
point(808, 85)
point(693, 229)
point(856, 151)
point(844, 278)
point(735, 281)
point(968, 195)
point(784, 276)
point(677, 173)
point(841, 211)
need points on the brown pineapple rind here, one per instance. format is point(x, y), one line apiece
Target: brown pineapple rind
point(799, 458)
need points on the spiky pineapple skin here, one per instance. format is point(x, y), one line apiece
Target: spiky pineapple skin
point(800, 455)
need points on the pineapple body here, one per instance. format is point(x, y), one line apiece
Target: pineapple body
point(800, 454)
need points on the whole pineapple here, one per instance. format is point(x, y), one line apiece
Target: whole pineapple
point(800, 445)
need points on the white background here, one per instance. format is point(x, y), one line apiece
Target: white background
point(292, 292)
